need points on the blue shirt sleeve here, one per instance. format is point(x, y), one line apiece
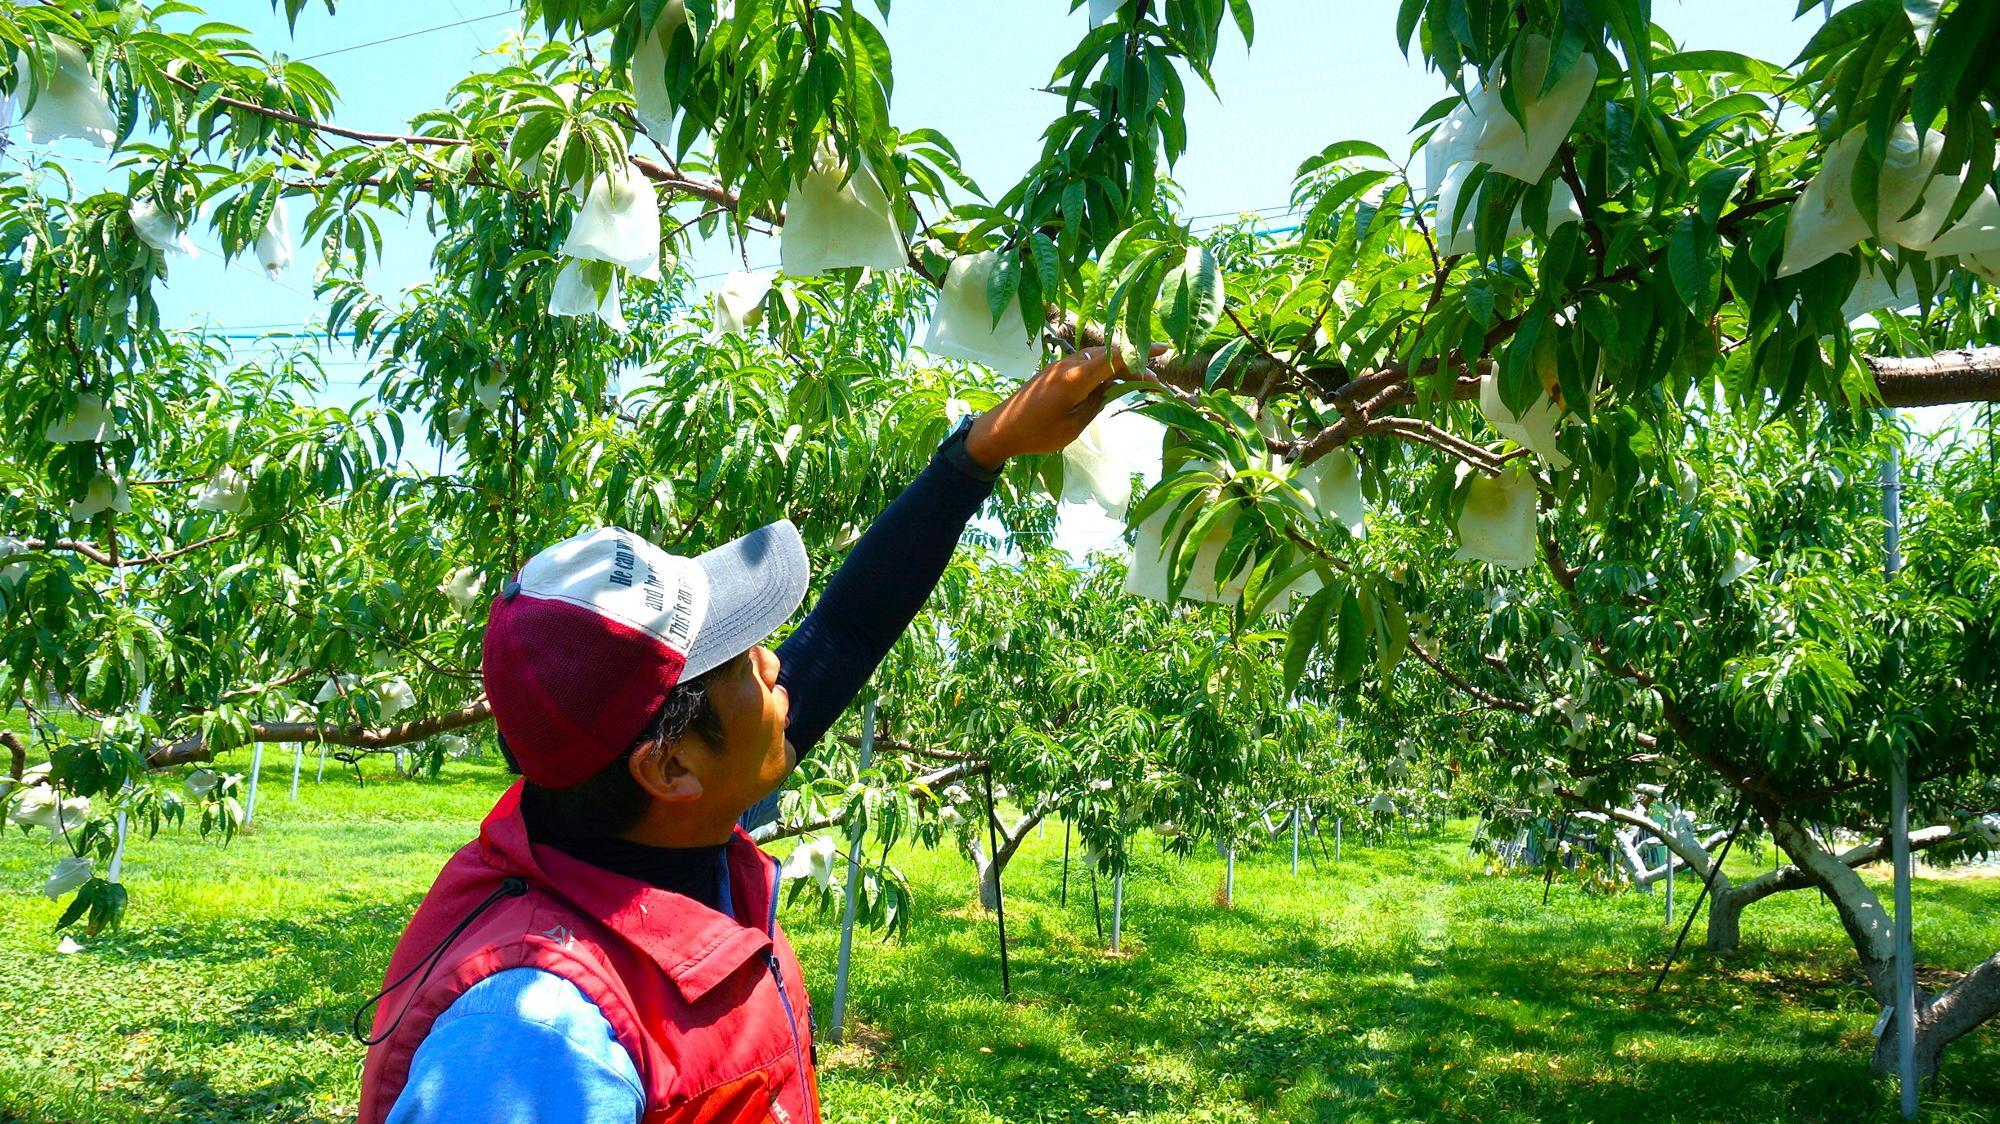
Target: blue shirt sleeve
point(521, 1045)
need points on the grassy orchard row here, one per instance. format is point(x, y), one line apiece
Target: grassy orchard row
point(1402, 982)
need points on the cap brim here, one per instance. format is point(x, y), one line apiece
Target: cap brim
point(755, 584)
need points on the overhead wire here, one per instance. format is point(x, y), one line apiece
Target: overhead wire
point(407, 35)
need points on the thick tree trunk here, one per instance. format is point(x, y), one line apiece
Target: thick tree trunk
point(990, 869)
point(1941, 1018)
point(1869, 927)
point(1973, 1000)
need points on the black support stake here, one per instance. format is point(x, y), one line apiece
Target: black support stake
point(1714, 868)
point(1065, 886)
point(999, 898)
point(1549, 859)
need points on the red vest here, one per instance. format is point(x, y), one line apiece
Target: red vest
point(711, 1008)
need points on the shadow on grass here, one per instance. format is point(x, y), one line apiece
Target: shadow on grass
point(1454, 997)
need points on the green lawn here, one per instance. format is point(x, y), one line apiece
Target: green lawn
point(1400, 984)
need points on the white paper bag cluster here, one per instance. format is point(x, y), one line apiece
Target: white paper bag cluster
point(70, 103)
point(1534, 429)
point(830, 224)
point(617, 225)
point(1497, 524)
point(1826, 221)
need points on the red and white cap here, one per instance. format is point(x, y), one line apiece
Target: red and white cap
point(584, 644)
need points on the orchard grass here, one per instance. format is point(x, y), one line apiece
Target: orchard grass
point(1401, 983)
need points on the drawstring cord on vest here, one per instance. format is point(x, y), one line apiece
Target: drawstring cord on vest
point(509, 888)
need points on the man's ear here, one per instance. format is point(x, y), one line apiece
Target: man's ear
point(661, 770)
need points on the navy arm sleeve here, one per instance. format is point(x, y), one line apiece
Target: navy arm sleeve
point(869, 602)
point(873, 597)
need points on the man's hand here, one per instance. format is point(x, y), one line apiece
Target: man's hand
point(1051, 409)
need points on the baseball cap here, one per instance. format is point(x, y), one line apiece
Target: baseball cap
point(584, 643)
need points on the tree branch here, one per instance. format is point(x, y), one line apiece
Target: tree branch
point(363, 737)
point(104, 558)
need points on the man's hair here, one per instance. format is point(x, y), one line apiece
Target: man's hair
point(609, 801)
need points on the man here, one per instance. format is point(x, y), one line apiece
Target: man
point(608, 949)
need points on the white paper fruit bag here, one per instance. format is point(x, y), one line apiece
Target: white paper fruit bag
point(618, 223)
point(739, 303)
point(91, 421)
point(834, 225)
point(962, 327)
point(1534, 429)
point(1525, 154)
point(1099, 465)
point(1497, 524)
point(70, 103)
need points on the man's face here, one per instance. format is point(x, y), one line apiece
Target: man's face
point(754, 758)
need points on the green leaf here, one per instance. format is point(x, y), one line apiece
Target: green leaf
point(1048, 263)
point(1350, 654)
point(1338, 151)
point(1218, 366)
point(1691, 259)
point(1003, 286)
point(1245, 22)
point(1308, 627)
point(1392, 627)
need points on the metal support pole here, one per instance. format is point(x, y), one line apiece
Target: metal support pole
point(1117, 909)
point(256, 767)
point(320, 776)
point(1899, 812)
point(298, 762)
point(1229, 879)
point(1336, 839)
point(854, 833)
